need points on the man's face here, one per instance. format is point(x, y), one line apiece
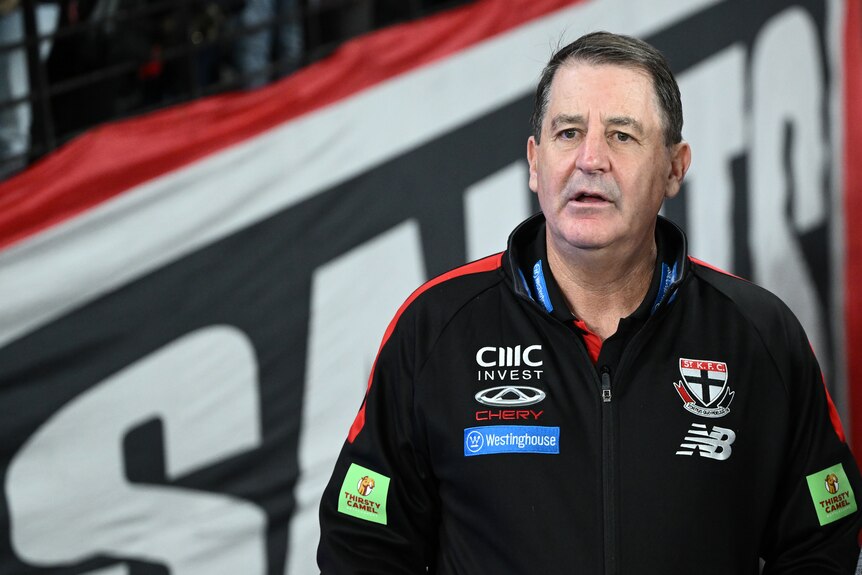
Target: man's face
point(602, 169)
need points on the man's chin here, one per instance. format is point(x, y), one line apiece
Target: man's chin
point(583, 242)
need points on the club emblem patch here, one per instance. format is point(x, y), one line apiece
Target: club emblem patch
point(703, 387)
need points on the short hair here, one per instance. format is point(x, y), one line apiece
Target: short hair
point(605, 48)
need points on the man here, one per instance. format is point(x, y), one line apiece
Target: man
point(593, 400)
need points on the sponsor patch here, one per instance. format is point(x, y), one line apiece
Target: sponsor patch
point(363, 494)
point(492, 439)
point(510, 396)
point(831, 493)
point(508, 414)
point(703, 387)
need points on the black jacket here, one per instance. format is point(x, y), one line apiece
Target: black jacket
point(490, 442)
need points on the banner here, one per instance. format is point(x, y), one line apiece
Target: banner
point(192, 300)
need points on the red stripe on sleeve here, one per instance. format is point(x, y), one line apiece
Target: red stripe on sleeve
point(713, 268)
point(487, 264)
point(833, 414)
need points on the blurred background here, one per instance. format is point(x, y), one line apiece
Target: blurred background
point(69, 65)
point(211, 209)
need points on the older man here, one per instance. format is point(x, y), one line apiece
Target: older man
point(593, 400)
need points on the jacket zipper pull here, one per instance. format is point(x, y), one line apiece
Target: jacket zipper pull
point(606, 385)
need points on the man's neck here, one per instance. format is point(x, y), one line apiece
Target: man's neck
point(601, 287)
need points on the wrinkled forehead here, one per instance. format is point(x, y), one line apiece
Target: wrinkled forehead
point(617, 88)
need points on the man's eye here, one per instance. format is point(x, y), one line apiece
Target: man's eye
point(622, 136)
point(569, 134)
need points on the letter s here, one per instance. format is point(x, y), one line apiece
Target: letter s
point(481, 353)
point(788, 195)
point(68, 496)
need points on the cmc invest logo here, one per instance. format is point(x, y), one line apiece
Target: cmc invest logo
point(508, 356)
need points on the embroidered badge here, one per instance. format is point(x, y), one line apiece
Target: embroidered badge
point(493, 439)
point(363, 494)
point(831, 493)
point(703, 387)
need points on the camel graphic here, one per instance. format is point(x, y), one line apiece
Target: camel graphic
point(832, 483)
point(365, 486)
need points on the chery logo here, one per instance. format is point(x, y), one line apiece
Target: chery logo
point(510, 395)
point(507, 356)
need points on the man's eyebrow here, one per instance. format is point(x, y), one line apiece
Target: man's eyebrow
point(578, 119)
point(625, 121)
point(566, 120)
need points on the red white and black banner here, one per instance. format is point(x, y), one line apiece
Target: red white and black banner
point(191, 301)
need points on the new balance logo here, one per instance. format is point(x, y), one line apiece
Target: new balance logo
point(714, 444)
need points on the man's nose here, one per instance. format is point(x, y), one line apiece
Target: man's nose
point(593, 154)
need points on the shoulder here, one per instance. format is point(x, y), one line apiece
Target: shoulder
point(432, 305)
point(756, 302)
point(444, 295)
point(761, 310)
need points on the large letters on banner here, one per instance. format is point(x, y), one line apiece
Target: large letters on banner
point(207, 414)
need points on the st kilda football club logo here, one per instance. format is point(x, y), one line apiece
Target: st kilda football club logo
point(703, 388)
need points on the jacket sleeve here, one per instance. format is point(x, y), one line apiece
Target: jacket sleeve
point(814, 524)
point(377, 514)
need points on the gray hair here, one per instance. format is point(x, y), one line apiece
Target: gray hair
point(605, 48)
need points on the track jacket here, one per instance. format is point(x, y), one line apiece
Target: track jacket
point(496, 437)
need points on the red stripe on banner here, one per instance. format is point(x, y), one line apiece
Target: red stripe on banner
point(852, 214)
point(115, 157)
point(487, 264)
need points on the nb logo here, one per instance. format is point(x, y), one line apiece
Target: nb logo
point(714, 444)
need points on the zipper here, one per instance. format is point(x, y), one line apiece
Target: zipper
point(606, 385)
point(609, 472)
point(609, 448)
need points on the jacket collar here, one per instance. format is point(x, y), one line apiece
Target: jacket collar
point(525, 263)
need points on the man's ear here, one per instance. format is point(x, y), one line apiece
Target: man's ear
point(680, 160)
point(532, 154)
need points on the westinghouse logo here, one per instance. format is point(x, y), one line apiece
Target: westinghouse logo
point(496, 439)
point(509, 363)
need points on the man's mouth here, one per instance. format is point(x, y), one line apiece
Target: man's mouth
point(589, 198)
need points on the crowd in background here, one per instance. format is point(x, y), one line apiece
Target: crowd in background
point(68, 65)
